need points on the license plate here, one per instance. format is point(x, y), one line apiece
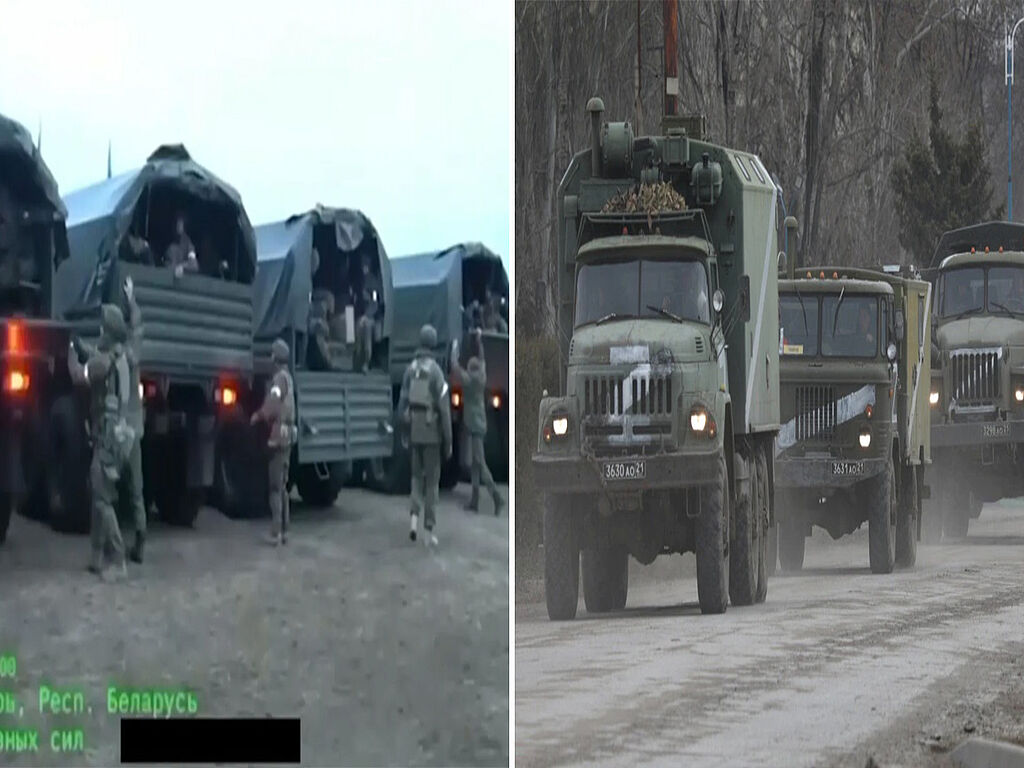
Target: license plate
point(625, 470)
point(995, 430)
point(847, 468)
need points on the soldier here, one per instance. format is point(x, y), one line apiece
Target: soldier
point(493, 321)
point(278, 410)
point(136, 420)
point(474, 383)
point(365, 331)
point(104, 369)
point(423, 404)
point(318, 349)
point(181, 254)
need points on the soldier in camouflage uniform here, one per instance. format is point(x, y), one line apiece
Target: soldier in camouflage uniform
point(278, 411)
point(105, 370)
point(136, 420)
point(474, 385)
point(423, 404)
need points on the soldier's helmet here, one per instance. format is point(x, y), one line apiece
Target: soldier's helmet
point(279, 352)
point(428, 336)
point(112, 323)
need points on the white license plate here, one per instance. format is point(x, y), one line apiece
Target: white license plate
point(625, 470)
point(995, 430)
point(843, 468)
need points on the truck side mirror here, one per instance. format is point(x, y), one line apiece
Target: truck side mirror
point(783, 262)
point(899, 325)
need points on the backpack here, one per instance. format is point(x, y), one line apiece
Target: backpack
point(423, 414)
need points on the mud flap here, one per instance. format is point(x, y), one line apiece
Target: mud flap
point(200, 451)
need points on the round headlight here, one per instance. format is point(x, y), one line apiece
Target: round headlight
point(865, 439)
point(1019, 394)
point(933, 398)
point(698, 420)
point(890, 352)
point(560, 425)
point(718, 300)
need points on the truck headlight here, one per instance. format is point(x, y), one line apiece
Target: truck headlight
point(865, 438)
point(1019, 395)
point(560, 425)
point(933, 398)
point(698, 419)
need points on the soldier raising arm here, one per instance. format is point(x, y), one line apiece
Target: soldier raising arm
point(278, 410)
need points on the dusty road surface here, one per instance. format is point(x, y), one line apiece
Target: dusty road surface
point(837, 666)
point(388, 653)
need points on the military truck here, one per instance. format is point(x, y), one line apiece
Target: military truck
point(977, 393)
point(36, 388)
point(442, 288)
point(196, 356)
point(855, 368)
point(343, 413)
point(661, 437)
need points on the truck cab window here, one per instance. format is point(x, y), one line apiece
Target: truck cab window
point(798, 321)
point(850, 326)
point(963, 291)
point(669, 290)
point(1006, 289)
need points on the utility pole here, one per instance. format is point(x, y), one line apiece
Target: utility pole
point(639, 73)
point(1009, 120)
point(671, 16)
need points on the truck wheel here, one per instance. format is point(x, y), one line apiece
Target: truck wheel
point(761, 517)
point(712, 539)
point(68, 473)
point(238, 472)
point(180, 507)
point(956, 522)
point(906, 524)
point(605, 578)
point(450, 473)
point(974, 504)
point(792, 540)
point(6, 502)
point(391, 474)
point(745, 544)
point(772, 551)
point(882, 513)
point(561, 560)
point(932, 515)
point(317, 491)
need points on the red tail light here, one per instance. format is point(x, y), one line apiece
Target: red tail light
point(225, 396)
point(16, 382)
point(14, 337)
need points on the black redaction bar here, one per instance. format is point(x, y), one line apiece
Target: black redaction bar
point(210, 740)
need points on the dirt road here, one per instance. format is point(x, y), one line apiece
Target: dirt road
point(838, 664)
point(388, 653)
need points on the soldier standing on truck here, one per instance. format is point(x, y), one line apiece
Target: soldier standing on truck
point(104, 369)
point(137, 421)
point(423, 403)
point(181, 253)
point(278, 411)
point(474, 383)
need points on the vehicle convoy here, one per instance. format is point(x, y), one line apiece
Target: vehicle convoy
point(442, 289)
point(855, 353)
point(36, 387)
point(661, 439)
point(977, 393)
point(334, 258)
point(196, 358)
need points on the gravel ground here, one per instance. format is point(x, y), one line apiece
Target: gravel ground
point(388, 653)
point(837, 668)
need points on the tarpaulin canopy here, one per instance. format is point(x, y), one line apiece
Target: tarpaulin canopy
point(99, 216)
point(284, 280)
point(992, 234)
point(429, 289)
point(28, 178)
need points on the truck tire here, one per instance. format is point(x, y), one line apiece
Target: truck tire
point(6, 503)
point(68, 474)
point(932, 515)
point(882, 513)
point(745, 544)
point(239, 485)
point(450, 472)
point(772, 552)
point(317, 491)
point(762, 517)
point(391, 474)
point(712, 540)
point(792, 541)
point(181, 507)
point(561, 560)
point(956, 521)
point(605, 578)
point(906, 523)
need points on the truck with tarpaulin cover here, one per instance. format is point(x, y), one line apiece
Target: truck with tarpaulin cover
point(977, 392)
point(855, 367)
point(196, 357)
point(441, 288)
point(660, 439)
point(343, 412)
point(36, 387)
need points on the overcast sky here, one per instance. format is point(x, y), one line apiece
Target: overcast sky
point(400, 108)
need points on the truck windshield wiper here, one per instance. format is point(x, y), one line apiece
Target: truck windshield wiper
point(606, 318)
point(804, 309)
point(839, 303)
point(967, 312)
point(1003, 307)
point(665, 313)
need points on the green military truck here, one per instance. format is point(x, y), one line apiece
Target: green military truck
point(661, 437)
point(855, 369)
point(977, 394)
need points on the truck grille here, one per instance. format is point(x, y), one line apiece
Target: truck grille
point(975, 375)
point(614, 396)
point(815, 412)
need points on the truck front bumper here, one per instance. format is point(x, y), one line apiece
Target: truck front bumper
point(977, 433)
point(579, 474)
point(820, 472)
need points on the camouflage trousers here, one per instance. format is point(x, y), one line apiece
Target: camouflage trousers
point(278, 485)
point(131, 487)
point(479, 470)
point(104, 531)
point(426, 477)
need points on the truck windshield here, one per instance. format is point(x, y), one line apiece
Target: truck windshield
point(798, 325)
point(1006, 289)
point(963, 291)
point(668, 290)
point(850, 326)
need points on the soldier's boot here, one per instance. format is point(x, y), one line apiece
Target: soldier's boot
point(429, 539)
point(135, 554)
point(115, 572)
point(273, 539)
point(473, 505)
point(499, 504)
point(414, 524)
point(95, 563)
